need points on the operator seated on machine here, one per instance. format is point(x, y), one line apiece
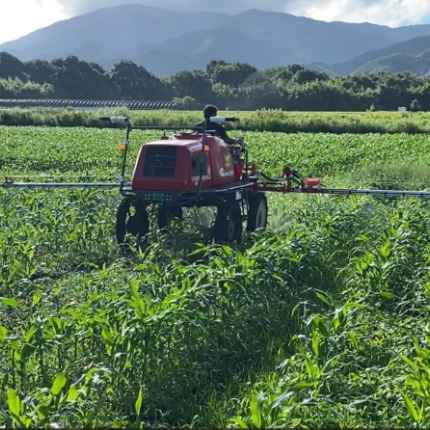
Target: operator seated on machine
point(210, 111)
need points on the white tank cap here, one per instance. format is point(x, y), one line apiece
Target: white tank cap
point(218, 119)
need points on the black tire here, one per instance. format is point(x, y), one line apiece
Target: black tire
point(137, 224)
point(166, 214)
point(258, 211)
point(228, 224)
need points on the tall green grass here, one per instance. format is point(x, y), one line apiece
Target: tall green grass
point(262, 120)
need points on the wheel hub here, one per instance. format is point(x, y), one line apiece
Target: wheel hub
point(257, 213)
point(228, 225)
point(132, 225)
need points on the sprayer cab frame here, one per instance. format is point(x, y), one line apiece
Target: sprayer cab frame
point(247, 180)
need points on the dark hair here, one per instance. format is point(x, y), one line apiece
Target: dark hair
point(210, 111)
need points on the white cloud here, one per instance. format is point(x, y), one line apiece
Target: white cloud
point(20, 17)
point(393, 13)
point(389, 12)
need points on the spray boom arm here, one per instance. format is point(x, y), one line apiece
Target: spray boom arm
point(291, 182)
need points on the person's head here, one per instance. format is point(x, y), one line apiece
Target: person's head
point(210, 111)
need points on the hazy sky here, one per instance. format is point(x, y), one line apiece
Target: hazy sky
point(20, 17)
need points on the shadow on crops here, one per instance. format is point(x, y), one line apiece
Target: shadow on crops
point(230, 308)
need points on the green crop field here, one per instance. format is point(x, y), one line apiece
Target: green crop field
point(321, 321)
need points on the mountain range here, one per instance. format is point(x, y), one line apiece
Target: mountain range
point(166, 42)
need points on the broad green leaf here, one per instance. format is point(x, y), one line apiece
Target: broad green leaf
point(36, 298)
point(73, 394)
point(411, 408)
point(240, 422)
point(255, 411)
point(138, 403)
point(315, 343)
point(58, 384)
point(386, 249)
point(388, 295)
point(410, 363)
point(26, 351)
point(323, 298)
point(13, 402)
point(43, 412)
point(9, 302)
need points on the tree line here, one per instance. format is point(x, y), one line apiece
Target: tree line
point(234, 86)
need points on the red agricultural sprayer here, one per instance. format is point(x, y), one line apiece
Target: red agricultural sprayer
point(194, 168)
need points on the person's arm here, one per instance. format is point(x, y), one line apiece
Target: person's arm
point(225, 137)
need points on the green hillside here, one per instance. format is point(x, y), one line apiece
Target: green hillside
point(418, 64)
point(409, 56)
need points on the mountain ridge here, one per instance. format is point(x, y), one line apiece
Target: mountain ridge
point(166, 42)
point(371, 61)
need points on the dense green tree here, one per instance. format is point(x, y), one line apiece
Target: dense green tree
point(41, 71)
point(195, 84)
point(132, 82)
point(212, 65)
point(229, 85)
point(234, 74)
point(304, 76)
point(76, 79)
point(11, 67)
point(17, 89)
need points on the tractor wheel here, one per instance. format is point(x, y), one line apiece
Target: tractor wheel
point(137, 224)
point(166, 214)
point(228, 224)
point(257, 214)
